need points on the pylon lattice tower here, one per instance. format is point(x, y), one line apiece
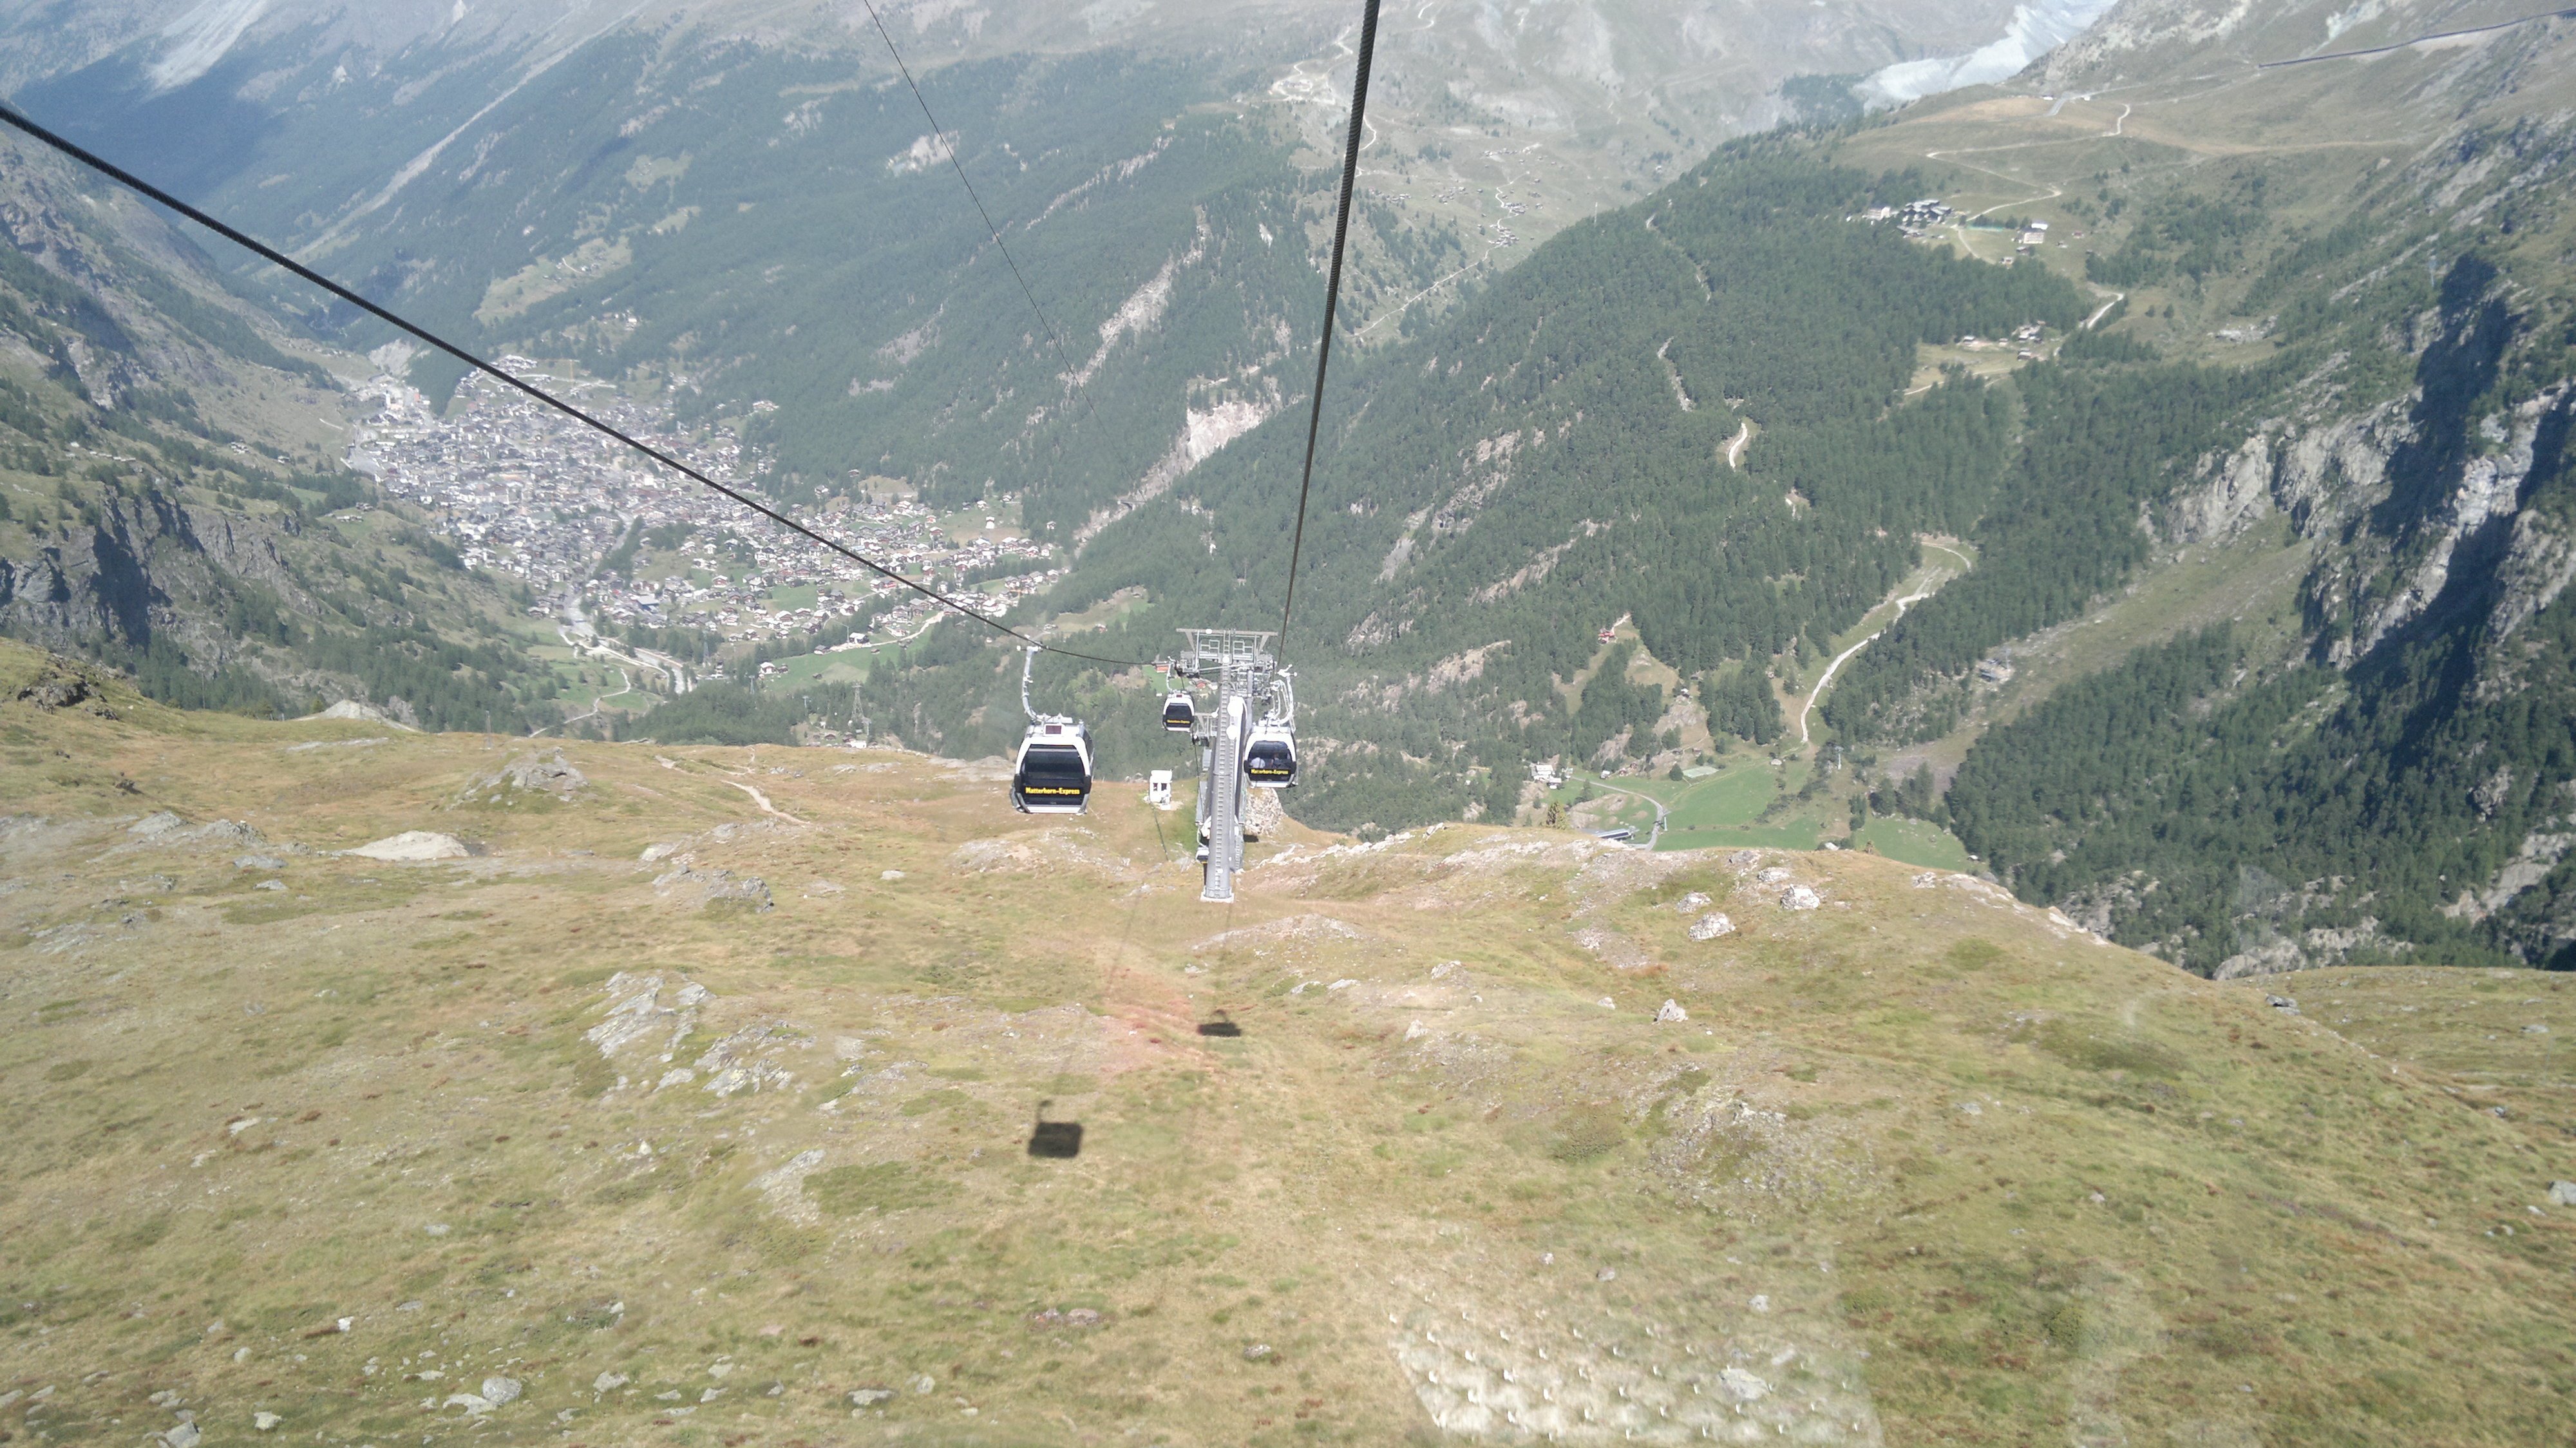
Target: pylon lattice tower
point(1250, 685)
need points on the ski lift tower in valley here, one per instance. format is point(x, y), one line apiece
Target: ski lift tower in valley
point(1254, 698)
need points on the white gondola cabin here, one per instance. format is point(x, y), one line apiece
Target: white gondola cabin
point(1053, 773)
point(1179, 715)
point(1270, 759)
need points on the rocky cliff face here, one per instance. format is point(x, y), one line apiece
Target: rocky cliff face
point(149, 566)
point(147, 515)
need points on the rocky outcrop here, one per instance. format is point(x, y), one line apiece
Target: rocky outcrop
point(2480, 507)
point(2539, 563)
point(2236, 494)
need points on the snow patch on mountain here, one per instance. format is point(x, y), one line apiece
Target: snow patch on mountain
point(2036, 29)
point(200, 38)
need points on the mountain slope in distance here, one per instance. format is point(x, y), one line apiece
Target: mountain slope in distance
point(691, 1094)
point(2368, 254)
point(170, 497)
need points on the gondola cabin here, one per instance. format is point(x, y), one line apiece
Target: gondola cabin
point(1053, 773)
point(1270, 760)
point(1178, 714)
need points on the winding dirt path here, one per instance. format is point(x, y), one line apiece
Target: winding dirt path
point(1931, 585)
point(1845, 657)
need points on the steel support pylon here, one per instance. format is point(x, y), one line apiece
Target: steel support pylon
point(1240, 665)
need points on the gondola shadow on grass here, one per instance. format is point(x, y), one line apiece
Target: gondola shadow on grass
point(1061, 1140)
point(1222, 1026)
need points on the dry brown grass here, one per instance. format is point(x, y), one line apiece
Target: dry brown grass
point(372, 1094)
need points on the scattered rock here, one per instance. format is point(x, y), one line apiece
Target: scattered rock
point(1745, 1386)
point(922, 1385)
point(497, 1391)
point(1799, 897)
point(747, 1060)
point(436, 1229)
point(264, 1421)
point(608, 1382)
point(1772, 876)
point(270, 885)
point(259, 862)
point(1416, 1031)
point(1608, 1004)
point(1711, 927)
point(413, 847)
point(1345, 983)
point(1256, 1352)
point(823, 889)
point(2562, 1194)
point(1293, 930)
point(1672, 1011)
point(713, 887)
point(1691, 901)
point(60, 691)
point(161, 827)
point(1048, 851)
point(1972, 1108)
point(870, 1397)
point(2282, 1003)
point(1606, 1274)
point(1761, 1302)
point(640, 1011)
point(363, 713)
point(890, 874)
point(551, 773)
point(2535, 1029)
point(185, 1435)
point(310, 745)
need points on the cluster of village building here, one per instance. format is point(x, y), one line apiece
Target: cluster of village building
point(526, 490)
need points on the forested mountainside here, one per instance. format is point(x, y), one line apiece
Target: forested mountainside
point(769, 232)
point(1557, 454)
point(170, 502)
point(2390, 778)
point(2369, 398)
point(2309, 352)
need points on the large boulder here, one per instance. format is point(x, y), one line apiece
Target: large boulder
point(413, 847)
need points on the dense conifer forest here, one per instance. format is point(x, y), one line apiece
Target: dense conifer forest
point(1569, 427)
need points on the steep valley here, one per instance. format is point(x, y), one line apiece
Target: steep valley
point(1938, 790)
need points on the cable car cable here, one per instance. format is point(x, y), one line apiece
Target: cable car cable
point(1332, 301)
point(940, 138)
point(280, 259)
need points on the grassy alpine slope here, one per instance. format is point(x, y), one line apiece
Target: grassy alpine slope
point(553, 1141)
